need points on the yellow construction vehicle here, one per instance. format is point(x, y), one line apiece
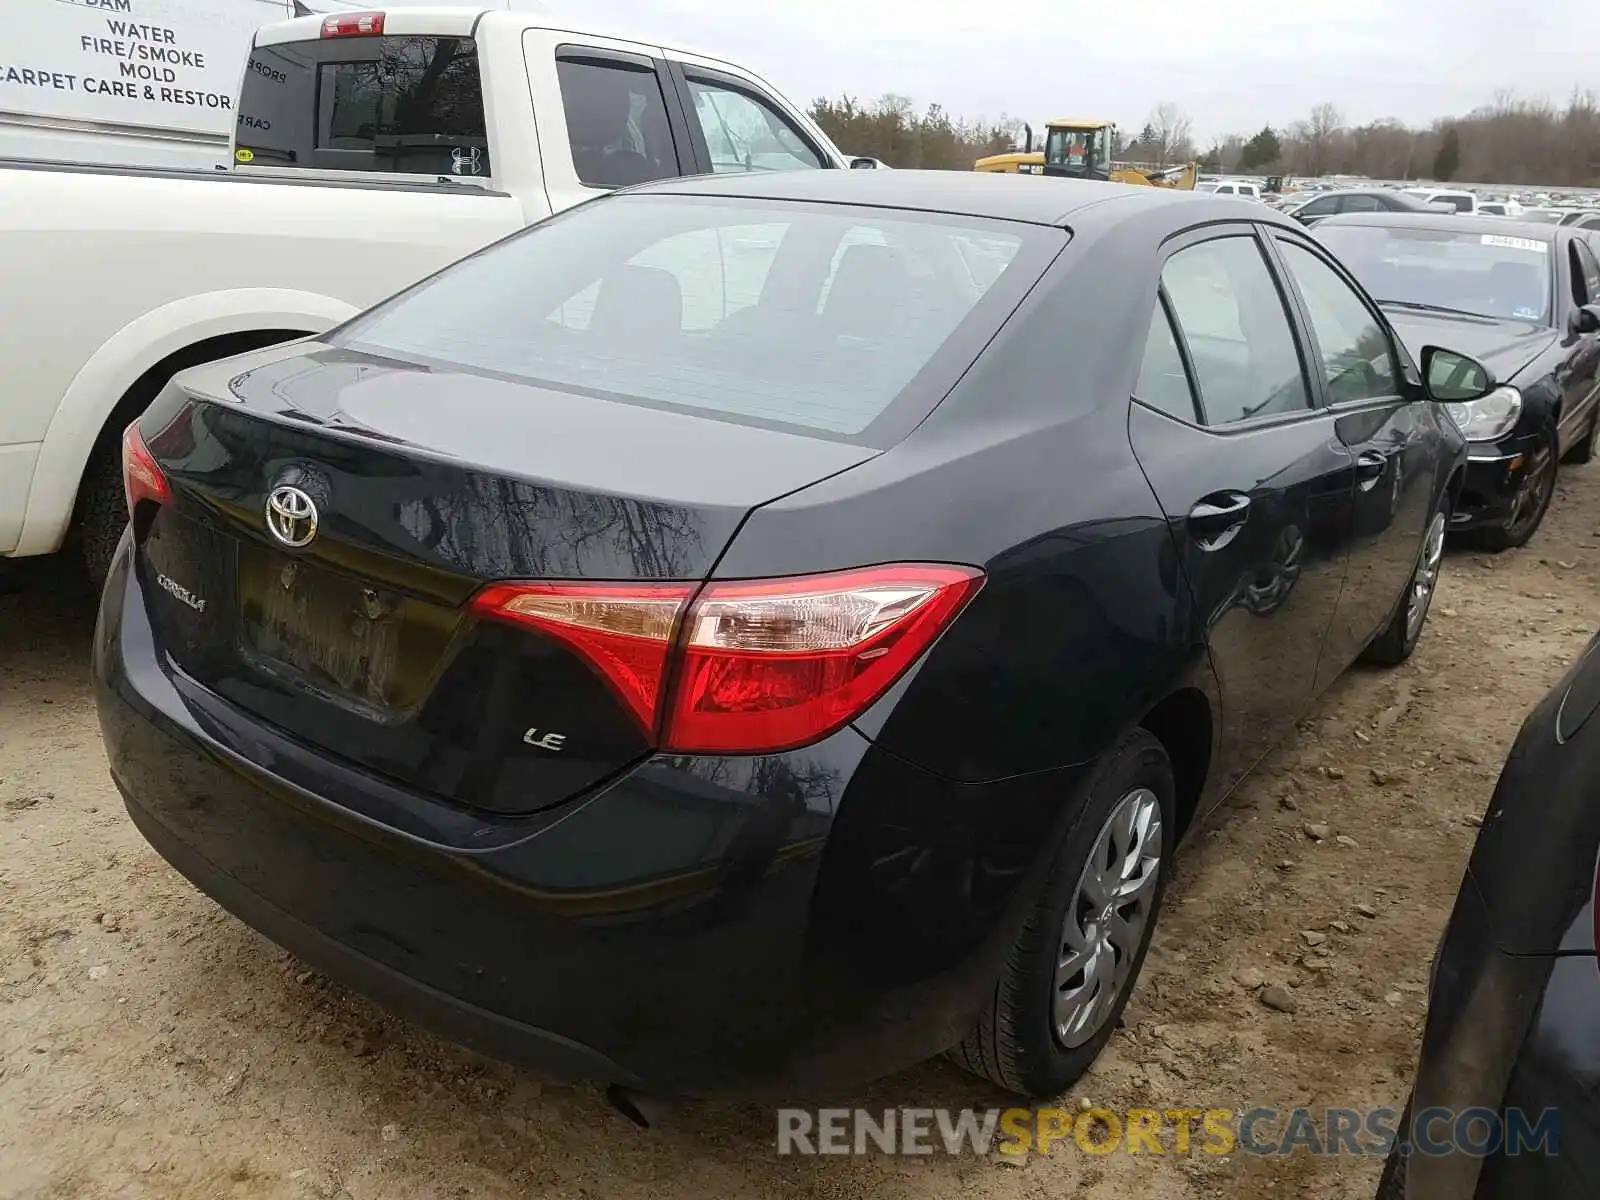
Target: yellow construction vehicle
point(1083, 150)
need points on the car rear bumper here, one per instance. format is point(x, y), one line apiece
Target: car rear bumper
point(782, 926)
point(1494, 472)
point(451, 1016)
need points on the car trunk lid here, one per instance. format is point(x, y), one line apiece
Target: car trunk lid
point(426, 486)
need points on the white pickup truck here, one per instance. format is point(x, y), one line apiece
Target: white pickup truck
point(371, 150)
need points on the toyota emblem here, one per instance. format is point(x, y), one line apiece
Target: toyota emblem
point(291, 516)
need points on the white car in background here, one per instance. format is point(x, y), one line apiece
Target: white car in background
point(1232, 187)
point(1499, 208)
point(1462, 201)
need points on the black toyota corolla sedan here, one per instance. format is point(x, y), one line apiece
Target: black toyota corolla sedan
point(748, 634)
point(1525, 299)
point(1506, 1103)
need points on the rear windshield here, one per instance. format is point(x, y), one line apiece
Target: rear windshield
point(406, 105)
point(1488, 274)
point(813, 316)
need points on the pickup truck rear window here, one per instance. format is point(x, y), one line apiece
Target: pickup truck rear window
point(822, 317)
point(404, 105)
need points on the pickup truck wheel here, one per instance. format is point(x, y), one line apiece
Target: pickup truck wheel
point(102, 512)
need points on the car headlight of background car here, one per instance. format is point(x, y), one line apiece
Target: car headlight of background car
point(1488, 417)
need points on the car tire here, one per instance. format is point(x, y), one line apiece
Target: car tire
point(1392, 1183)
point(1404, 630)
point(1124, 818)
point(1584, 451)
point(1521, 527)
point(102, 512)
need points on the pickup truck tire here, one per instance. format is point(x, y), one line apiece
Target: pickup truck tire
point(102, 511)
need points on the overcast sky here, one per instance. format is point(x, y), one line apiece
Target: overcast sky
point(1231, 64)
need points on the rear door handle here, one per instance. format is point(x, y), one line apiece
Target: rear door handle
point(1214, 520)
point(1370, 464)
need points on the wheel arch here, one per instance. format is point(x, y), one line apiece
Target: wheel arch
point(1186, 722)
point(1453, 484)
point(135, 362)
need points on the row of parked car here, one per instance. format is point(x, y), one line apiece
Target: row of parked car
point(755, 629)
point(1312, 207)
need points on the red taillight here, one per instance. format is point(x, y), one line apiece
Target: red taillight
point(755, 667)
point(623, 631)
point(142, 479)
point(368, 24)
point(775, 664)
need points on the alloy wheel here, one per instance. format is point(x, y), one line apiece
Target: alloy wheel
point(1533, 495)
point(1108, 918)
point(1425, 579)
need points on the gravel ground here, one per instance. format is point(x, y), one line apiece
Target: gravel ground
point(152, 1046)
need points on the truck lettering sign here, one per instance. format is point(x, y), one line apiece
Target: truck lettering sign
point(163, 64)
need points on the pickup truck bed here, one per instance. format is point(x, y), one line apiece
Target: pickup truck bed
point(457, 127)
point(113, 273)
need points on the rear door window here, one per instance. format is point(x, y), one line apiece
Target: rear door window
point(1163, 383)
point(402, 105)
point(743, 132)
point(616, 121)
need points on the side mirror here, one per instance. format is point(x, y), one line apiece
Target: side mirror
point(1587, 319)
point(863, 164)
point(1453, 378)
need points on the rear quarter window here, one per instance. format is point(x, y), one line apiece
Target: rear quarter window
point(400, 105)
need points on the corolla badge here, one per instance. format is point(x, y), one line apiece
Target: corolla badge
point(291, 516)
point(179, 592)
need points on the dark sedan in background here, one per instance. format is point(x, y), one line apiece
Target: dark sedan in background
point(749, 634)
point(1513, 1029)
point(1354, 200)
point(1523, 298)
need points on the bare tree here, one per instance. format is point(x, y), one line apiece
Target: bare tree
point(1319, 133)
point(1173, 132)
point(1231, 148)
